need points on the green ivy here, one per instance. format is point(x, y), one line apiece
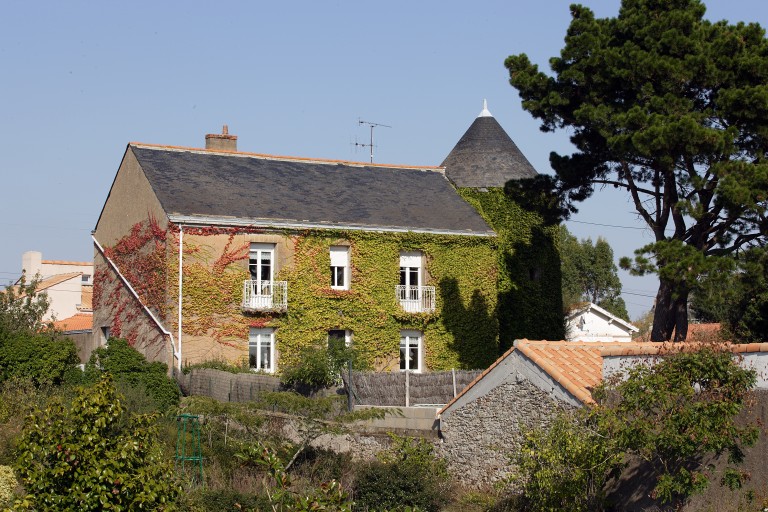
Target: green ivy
point(530, 294)
point(461, 333)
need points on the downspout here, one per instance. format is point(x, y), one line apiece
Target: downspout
point(181, 252)
point(136, 296)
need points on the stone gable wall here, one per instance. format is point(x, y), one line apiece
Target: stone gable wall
point(480, 437)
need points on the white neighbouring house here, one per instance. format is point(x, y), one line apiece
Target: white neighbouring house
point(69, 285)
point(590, 322)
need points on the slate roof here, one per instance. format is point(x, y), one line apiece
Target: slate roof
point(217, 187)
point(486, 157)
point(578, 366)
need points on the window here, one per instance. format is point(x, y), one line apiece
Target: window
point(104, 334)
point(261, 350)
point(410, 351)
point(410, 269)
point(338, 338)
point(259, 290)
point(340, 267)
point(86, 278)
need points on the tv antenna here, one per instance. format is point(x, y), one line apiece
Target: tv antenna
point(372, 126)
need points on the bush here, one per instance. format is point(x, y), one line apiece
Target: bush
point(565, 466)
point(93, 456)
point(44, 358)
point(319, 367)
point(215, 500)
point(7, 485)
point(128, 366)
point(407, 475)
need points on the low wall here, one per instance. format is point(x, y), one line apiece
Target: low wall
point(396, 389)
point(224, 386)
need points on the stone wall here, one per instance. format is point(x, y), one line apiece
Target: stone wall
point(480, 437)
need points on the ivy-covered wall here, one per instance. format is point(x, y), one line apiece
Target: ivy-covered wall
point(530, 303)
point(461, 333)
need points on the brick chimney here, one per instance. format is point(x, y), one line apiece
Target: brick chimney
point(221, 141)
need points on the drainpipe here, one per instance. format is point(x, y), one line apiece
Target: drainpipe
point(181, 245)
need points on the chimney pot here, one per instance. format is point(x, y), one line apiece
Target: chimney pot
point(221, 141)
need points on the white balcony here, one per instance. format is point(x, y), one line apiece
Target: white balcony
point(265, 295)
point(416, 299)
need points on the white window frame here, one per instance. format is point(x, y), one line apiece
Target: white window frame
point(256, 254)
point(411, 339)
point(347, 336)
point(409, 261)
point(258, 338)
point(339, 258)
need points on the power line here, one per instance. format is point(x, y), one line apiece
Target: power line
point(615, 226)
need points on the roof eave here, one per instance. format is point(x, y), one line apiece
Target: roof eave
point(202, 220)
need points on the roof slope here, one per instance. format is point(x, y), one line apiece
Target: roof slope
point(78, 322)
point(270, 190)
point(486, 157)
point(578, 366)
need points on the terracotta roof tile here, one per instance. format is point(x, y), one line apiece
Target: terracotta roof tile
point(578, 366)
point(63, 262)
point(78, 322)
point(57, 279)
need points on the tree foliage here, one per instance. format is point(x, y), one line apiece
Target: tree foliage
point(22, 308)
point(672, 109)
point(565, 466)
point(93, 456)
point(590, 274)
point(30, 348)
point(737, 298)
point(673, 413)
point(125, 364)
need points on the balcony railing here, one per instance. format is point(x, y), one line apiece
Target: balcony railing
point(265, 295)
point(416, 299)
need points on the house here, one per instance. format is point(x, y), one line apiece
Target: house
point(215, 253)
point(590, 322)
point(68, 284)
point(534, 380)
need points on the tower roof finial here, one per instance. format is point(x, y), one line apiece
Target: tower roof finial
point(485, 112)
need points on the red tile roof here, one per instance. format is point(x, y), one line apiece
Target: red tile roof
point(78, 322)
point(63, 262)
point(578, 366)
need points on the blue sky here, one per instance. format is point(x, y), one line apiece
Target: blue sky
point(79, 80)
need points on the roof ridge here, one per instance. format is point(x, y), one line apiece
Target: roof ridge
point(265, 156)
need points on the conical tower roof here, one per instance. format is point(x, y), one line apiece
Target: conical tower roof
point(485, 156)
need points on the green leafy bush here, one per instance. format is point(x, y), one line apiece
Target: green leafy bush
point(407, 475)
point(320, 367)
point(565, 465)
point(674, 413)
point(7, 485)
point(93, 456)
point(44, 358)
point(128, 366)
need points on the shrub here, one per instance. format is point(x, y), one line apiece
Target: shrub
point(93, 456)
point(44, 358)
point(7, 485)
point(319, 367)
point(407, 475)
point(565, 466)
point(127, 365)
